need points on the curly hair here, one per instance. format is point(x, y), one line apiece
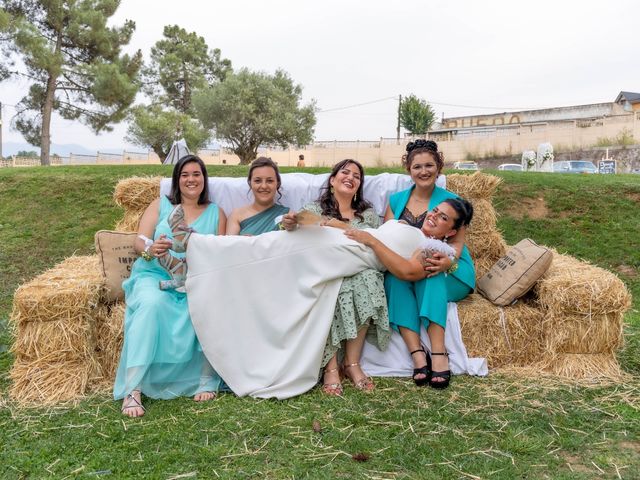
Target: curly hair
point(329, 204)
point(423, 146)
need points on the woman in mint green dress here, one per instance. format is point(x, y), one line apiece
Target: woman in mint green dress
point(161, 356)
point(259, 217)
point(412, 304)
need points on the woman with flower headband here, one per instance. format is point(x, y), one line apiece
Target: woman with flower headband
point(425, 301)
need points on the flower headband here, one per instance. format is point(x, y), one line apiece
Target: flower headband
point(420, 143)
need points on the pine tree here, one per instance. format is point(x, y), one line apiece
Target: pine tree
point(74, 61)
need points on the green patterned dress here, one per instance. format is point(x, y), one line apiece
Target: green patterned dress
point(361, 301)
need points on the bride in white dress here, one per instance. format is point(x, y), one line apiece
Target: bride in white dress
point(262, 306)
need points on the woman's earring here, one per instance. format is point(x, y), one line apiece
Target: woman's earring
point(445, 239)
point(332, 190)
point(355, 197)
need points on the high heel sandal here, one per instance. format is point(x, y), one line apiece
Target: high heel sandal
point(332, 389)
point(445, 374)
point(426, 370)
point(177, 268)
point(364, 384)
point(180, 230)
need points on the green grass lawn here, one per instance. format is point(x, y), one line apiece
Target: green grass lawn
point(495, 427)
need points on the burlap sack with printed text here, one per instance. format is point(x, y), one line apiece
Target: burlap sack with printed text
point(515, 273)
point(116, 253)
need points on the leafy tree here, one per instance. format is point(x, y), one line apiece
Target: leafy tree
point(253, 109)
point(74, 62)
point(25, 153)
point(180, 64)
point(155, 128)
point(416, 115)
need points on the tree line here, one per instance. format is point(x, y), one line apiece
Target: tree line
point(74, 63)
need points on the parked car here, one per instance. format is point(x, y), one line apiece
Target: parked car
point(575, 166)
point(465, 166)
point(514, 167)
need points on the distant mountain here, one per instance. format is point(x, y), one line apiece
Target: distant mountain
point(12, 148)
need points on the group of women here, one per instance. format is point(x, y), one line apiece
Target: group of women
point(327, 285)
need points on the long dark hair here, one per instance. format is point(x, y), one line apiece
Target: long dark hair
point(328, 202)
point(265, 162)
point(423, 146)
point(174, 196)
point(463, 208)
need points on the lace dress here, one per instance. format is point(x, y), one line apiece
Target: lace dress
point(361, 301)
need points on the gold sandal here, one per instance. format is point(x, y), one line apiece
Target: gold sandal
point(364, 384)
point(332, 389)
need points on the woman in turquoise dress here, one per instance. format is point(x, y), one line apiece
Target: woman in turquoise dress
point(161, 356)
point(425, 302)
point(260, 216)
point(361, 309)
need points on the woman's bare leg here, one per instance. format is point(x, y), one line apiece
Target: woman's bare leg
point(440, 362)
point(352, 369)
point(412, 341)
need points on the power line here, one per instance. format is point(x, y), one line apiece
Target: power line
point(395, 97)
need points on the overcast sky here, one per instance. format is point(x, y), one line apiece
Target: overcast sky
point(463, 56)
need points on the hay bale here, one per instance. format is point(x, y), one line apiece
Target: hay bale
point(575, 287)
point(136, 193)
point(510, 336)
point(478, 185)
point(110, 335)
point(51, 379)
point(584, 333)
point(486, 245)
point(484, 217)
point(68, 292)
point(575, 366)
point(74, 338)
point(130, 221)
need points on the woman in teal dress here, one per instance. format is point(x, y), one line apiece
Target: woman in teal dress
point(259, 217)
point(425, 302)
point(361, 309)
point(161, 356)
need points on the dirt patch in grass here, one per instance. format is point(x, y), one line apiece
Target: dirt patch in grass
point(634, 446)
point(634, 197)
point(575, 463)
point(627, 270)
point(534, 208)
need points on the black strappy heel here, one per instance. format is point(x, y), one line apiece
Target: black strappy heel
point(446, 375)
point(426, 370)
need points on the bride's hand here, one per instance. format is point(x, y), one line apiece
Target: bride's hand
point(360, 236)
point(437, 264)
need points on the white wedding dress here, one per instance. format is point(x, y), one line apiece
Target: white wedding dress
point(262, 306)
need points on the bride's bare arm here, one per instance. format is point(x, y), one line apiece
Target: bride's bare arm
point(410, 270)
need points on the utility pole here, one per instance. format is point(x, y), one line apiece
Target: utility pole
point(398, 128)
point(1, 131)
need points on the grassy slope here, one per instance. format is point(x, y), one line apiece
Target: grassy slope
point(498, 427)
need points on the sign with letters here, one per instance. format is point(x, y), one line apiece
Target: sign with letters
point(607, 166)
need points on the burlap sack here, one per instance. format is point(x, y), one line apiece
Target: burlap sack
point(515, 273)
point(116, 253)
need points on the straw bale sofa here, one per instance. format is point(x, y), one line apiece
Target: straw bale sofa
point(68, 337)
